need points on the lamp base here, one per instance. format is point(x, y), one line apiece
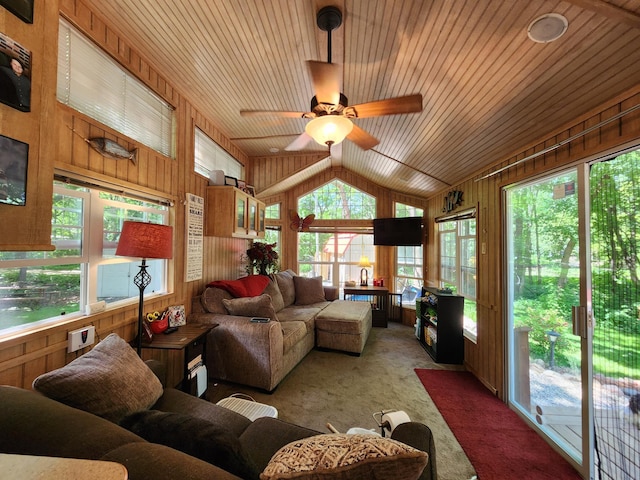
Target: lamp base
point(364, 278)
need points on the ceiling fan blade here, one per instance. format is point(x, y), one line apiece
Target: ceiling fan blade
point(326, 81)
point(391, 106)
point(299, 143)
point(363, 139)
point(271, 113)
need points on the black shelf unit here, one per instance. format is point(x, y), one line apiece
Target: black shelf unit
point(440, 325)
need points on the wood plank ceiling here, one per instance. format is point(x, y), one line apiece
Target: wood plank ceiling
point(488, 90)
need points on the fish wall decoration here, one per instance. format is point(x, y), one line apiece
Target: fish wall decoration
point(111, 149)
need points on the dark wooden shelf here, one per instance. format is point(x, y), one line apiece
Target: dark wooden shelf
point(445, 317)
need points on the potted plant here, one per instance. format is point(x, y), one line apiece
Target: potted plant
point(262, 258)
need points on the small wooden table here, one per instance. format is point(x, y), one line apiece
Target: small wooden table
point(31, 467)
point(181, 351)
point(380, 302)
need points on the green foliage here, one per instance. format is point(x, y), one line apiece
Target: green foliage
point(545, 276)
point(616, 307)
point(338, 200)
point(545, 314)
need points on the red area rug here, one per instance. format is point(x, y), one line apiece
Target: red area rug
point(498, 443)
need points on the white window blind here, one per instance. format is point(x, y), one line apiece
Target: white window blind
point(210, 156)
point(94, 84)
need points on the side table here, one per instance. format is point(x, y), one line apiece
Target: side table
point(379, 297)
point(182, 351)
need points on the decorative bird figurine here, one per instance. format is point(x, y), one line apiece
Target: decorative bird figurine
point(299, 224)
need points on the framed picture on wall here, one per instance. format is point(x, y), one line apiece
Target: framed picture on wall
point(22, 9)
point(15, 74)
point(14, 156)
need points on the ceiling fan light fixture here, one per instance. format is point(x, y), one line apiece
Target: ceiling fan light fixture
point(329, 129)
point(547, 28)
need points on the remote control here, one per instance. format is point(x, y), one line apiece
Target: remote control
point(259, 319)
point(170, 330)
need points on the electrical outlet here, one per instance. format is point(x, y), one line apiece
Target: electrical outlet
point(81, 338)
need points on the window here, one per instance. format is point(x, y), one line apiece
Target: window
point(458, 264)
point(94, 84)
point(332, 252)
point(210, 156)
point(408, 279)
point(272, 234)
point(334, 256)
point(86, 224)
point(338, 200)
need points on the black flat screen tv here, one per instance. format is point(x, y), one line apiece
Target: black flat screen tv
point(397, 231)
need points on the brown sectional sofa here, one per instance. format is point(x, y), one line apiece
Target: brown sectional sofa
point(108, 405)
point(262, 354)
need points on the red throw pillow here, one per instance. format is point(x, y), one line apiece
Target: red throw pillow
point(250, 286)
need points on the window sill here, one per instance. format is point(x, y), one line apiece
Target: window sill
point(470, 336)
point(470, 330)
point(22, 331)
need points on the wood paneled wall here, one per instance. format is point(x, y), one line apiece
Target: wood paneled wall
point(41, 39)
point(25, 356)
point(288, 201)
point(486, 357)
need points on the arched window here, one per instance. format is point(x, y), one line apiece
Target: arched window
point(335, 251)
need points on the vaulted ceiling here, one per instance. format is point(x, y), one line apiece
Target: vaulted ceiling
point(488, 90)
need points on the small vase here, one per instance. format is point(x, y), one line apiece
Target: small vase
point(262, 270)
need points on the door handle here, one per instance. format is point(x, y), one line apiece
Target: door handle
point(580, 320)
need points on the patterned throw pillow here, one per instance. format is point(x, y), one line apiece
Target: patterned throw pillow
point(110, 381)
point(346, 457)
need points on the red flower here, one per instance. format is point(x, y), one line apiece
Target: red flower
point(262, 257)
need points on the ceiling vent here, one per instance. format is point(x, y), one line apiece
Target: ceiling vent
point(547, 28)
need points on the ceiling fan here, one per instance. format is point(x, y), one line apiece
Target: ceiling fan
point(330, 113)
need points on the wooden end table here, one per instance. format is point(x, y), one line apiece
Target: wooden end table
point(181, 351)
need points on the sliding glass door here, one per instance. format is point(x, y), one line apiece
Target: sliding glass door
point(573, 289)
point(615, 250)
point(543, 255)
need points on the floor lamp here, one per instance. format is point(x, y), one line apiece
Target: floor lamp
point(144, 240)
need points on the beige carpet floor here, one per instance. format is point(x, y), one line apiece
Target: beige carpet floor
point(346, 390)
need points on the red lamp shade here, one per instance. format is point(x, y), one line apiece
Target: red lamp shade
point(145, 240)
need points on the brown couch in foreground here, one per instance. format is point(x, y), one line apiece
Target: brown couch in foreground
point(82, 409)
